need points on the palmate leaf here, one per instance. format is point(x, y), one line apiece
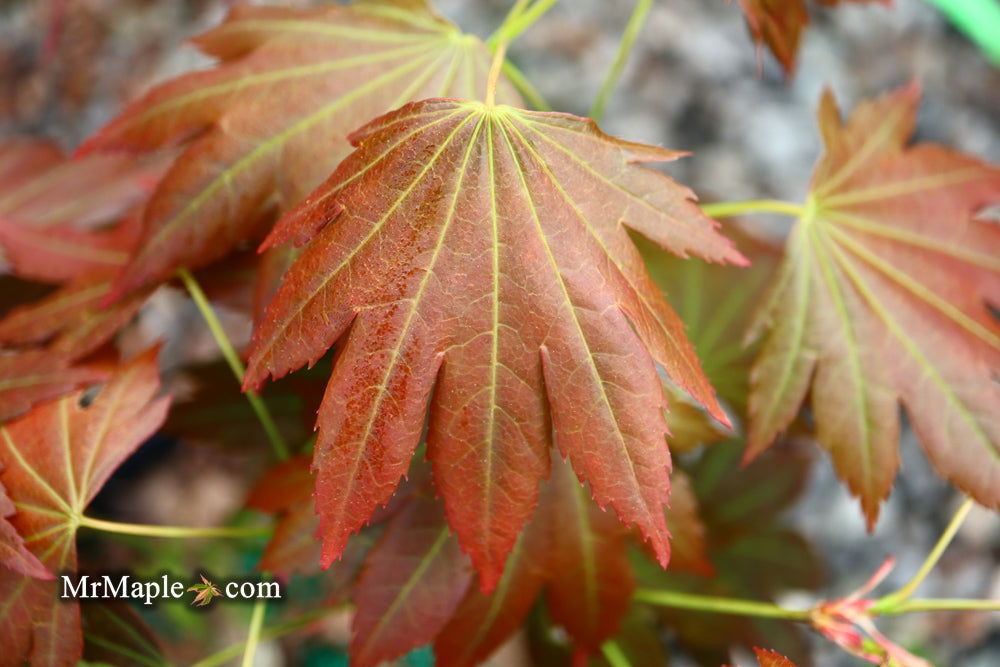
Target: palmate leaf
point(53, 333)
point(55, 459)
point(482, 251)
point(271, 120)
point(881, 299)
point(32, 376)
point(779, 24)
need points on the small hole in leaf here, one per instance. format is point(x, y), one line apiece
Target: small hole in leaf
point(89, 395)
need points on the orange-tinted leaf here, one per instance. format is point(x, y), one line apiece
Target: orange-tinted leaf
point(32, 376)
point(286, 490)
point(14, 554)
point(484, 621)
point(499, 272)
point(271, 119)
point(881, 299)
point(60, 253)
point(590, 582)
point(779, 25)
point(55, 460)
point(413, 580)
point(41, 189)
point(688, 544)
point(71, 321)
point(768, 658)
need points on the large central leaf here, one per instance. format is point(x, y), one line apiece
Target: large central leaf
point(481, 253)
point(270, 121)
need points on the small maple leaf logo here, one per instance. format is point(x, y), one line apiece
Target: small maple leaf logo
point(206, 590)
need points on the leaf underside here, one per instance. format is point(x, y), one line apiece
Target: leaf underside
point(270, 122)
point(482, 252)
point(882, 299)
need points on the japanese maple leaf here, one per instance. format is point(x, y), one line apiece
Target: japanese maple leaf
point(40, 188)
point(56, 332)
point(779, 25)
point(483, 252)
point(881, 299)
point(14, 554)
point(32, 376)
point(55, 459)
point(206, 591)
point(412, 581)
point(270, 121)
point(573, 551)
point(286, 490)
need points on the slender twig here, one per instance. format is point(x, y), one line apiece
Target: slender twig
point(515, 11)
point(614, 655)
point(888, 603)
point(719, 605)
point(187, 532)
point(253, 633)
point(494, 77)
point(233, 359)
point(279, 630)
point(521, 22)
point(942, 604)
point(728, 209)
point(632, 30)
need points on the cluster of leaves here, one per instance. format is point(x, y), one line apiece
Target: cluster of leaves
point(499, 341)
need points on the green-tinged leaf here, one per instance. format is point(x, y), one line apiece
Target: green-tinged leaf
point(715, 302)
point(754, 556)
point(115, 634)
point(881, 299)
